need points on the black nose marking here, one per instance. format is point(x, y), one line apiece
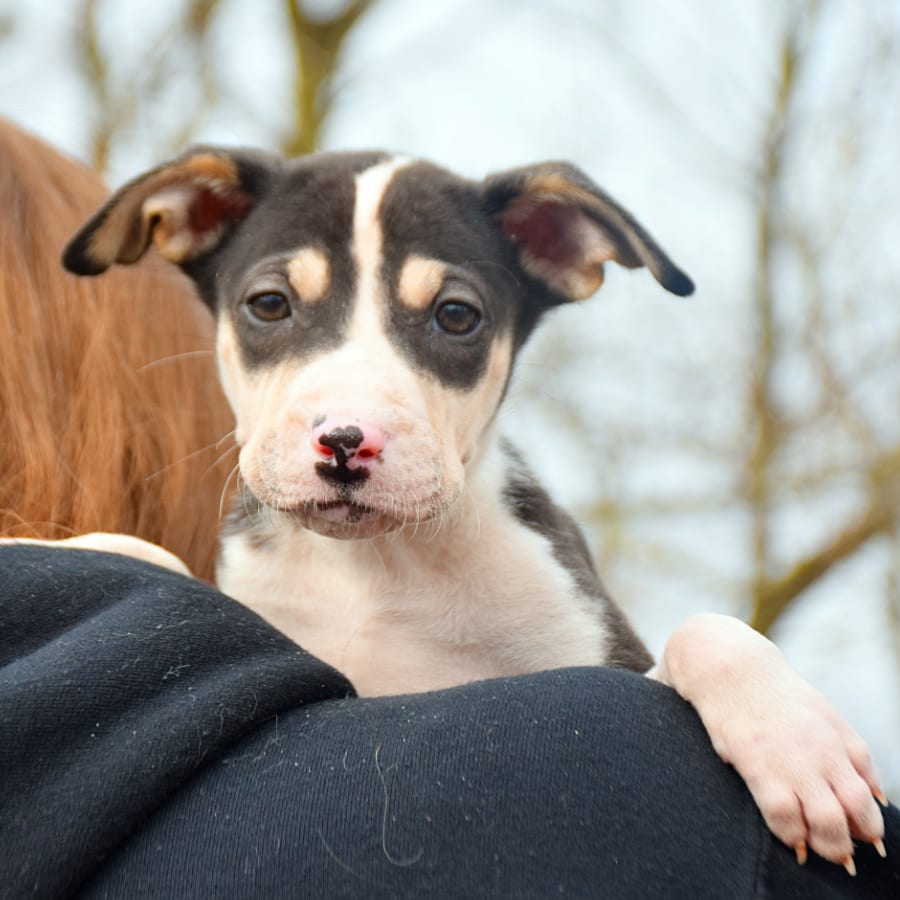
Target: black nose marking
point(342, 440)
point(340, 474)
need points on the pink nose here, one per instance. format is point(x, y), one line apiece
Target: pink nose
point(350, 445)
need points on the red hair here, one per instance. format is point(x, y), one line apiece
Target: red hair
point(111, 415)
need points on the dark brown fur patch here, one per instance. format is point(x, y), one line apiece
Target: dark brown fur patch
point(532, 505)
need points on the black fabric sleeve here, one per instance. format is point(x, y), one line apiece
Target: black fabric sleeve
point(588, 783)
point(119, 681)
point(161, 741)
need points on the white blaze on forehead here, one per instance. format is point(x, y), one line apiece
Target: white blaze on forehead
point(368, 241)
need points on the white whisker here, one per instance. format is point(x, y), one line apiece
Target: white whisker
point(190, 455)
point(188, 354)
point(222, 456)
point(224, 494)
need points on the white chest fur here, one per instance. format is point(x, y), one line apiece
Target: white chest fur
point(423, 608)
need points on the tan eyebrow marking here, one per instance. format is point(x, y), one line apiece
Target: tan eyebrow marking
point(420, 279)
point(309, 274)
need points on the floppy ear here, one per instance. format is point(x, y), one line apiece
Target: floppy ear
point(566, 228)
point(184, 207)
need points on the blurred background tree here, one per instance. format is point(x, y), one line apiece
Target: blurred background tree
point(738, 452)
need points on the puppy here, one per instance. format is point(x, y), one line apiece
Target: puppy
point(369, 311)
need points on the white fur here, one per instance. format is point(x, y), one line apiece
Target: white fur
point(424, 607)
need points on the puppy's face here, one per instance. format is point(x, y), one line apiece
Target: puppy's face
point(378, 311)
point(369, 309)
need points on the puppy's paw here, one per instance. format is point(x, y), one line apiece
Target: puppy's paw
point(107, 542)
point(809, 772)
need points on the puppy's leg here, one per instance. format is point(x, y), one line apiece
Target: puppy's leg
point(107, 542)
point(809, 772)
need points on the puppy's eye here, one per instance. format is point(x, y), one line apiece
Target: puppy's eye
point(269, 307)
point(454, 317)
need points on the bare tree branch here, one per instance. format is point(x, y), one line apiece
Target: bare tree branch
point(763, 404)
point(772, 598)
point(316, 47)
point(93, 64)
point(118, 100)
point(7, 25)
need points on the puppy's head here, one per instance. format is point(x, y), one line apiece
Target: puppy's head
point(369, 309)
